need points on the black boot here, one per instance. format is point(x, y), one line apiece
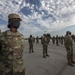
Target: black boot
point(32, 51)
point(47, 55)
point(73, 62)
point(70, 64)
point(44, 56)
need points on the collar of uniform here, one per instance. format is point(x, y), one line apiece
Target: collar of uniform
point(11, 33)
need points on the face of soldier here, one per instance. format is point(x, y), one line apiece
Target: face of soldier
point(13, 29)
point(70, 35)
point(15, 23)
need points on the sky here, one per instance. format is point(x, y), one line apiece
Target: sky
point(40, 16)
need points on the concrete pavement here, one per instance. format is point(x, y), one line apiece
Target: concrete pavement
point(56, 64)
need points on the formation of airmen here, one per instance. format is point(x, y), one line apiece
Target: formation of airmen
point(58, 40)
point(12, 44)
point(66, 40)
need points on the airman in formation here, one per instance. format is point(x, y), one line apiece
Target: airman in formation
point(45, 46)
point(69, 48)
point(30, 40)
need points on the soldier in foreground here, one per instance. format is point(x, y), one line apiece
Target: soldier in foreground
point(45, 46)
point(30, 40)
point(69, 48)
point(11, 50)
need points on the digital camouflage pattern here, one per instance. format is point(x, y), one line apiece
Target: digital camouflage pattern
point(11, 62)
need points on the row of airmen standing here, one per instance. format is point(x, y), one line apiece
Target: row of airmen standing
point(67, 41)
point(56, 39)
point(44, 41)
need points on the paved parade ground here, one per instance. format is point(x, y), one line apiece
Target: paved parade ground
point(56, 64)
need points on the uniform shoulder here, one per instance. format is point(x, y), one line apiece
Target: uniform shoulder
point(20, 34)
point(3, 33)
point(66, 38)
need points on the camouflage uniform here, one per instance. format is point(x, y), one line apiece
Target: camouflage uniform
point(53, 39)
point(37, 39)
point(33, 39)
point(62, 39)
point(57, 40)
point(48, 38)
point(45, 46)
point(41, 39)
point(74, 38)
point(30, 44)
point(11, 51)
point(69, 48)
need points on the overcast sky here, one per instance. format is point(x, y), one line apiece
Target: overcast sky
point(40, 16)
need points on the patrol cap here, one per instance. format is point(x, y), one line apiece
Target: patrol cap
point(14, 16)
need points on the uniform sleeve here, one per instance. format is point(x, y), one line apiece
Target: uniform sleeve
point(67, 43)
point(3, 49)
point(42, 40)
point(23, 41)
